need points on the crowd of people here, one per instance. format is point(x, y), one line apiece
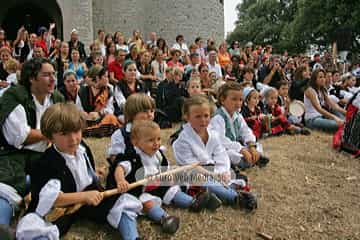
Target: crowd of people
point(52, 93)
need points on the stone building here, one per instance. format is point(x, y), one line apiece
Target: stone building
point(168, 18)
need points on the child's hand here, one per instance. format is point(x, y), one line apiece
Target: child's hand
point(101, 172)
point(255, 154)
point(93, 198)
point(247, 155)
point(122, 186)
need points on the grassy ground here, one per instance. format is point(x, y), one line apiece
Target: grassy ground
point(308, 191)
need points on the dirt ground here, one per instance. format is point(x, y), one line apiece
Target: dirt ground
point(308, 191)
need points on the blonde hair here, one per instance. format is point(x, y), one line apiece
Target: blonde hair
point(142, 127)
point(135, 103)
point(11, 65)
point(178, 71)
point(196, 100)
point(193, 80)
point(61, 118)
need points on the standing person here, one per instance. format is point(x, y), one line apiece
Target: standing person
point(213, 65)
point(101, 41)
point(320, 111)
point(152, 40)
point(181, 45)
point(223, 55)
point(3, 41)
point(70, 177)
point(22, 143)
point(159, 66)
point(75, 43)
point(61, 63)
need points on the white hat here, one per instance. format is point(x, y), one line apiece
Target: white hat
point(74, 31)
point(247, 91)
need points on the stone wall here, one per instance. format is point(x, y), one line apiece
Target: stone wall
point(168, 18)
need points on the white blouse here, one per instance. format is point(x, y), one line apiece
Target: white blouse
point(189, 148)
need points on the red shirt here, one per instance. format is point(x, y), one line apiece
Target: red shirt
point(116, 68)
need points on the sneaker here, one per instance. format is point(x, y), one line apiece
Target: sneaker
point(263, 161)
point(205, 200)
point(170, 224)
point(305, 131)
point(200, 201)
point(246, 200)
point(214, 202)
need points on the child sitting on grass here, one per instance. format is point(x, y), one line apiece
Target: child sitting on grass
point(236, 137)
point(65, 176)
point(146, 160)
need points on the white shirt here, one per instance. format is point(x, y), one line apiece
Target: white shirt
point(215, 68)
point(152, 164)
point(117, 144)
point(310, 111)
point(189, 148)
point(78, 166)
point(16, 129)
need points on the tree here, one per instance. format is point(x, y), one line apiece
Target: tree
point(295, 24)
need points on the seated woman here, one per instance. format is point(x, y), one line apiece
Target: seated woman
point(320, 111)
point(123, 89)
point(96, 100)
point(78, 67)
point(71, 87)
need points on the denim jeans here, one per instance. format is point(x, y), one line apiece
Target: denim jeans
point(127, 228)
point(41, 238)
point(321, 123)
point(182, 200)
point(6, 212)
point(226, 194)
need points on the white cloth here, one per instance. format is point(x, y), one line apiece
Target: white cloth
point(127, 204)
point(159, 70)
point(233, 148)
point(78, 167)
point(310, 111)
point(16, 129)
point(189, 148)
point(152, 164)
point(117, 144)
point(119, 97)
point(10, 194)
point(215, 68)
point(11, 79)
point(47, 196)
point(32, 226)
point(356, 101)
point(183, 47)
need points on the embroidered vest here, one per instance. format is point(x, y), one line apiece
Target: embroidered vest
point(232, 133)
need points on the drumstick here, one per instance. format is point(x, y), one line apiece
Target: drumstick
point(56, 213)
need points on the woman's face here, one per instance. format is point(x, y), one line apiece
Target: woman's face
point(178, 77)
point(112, 48)
point(306, 74)
point(75, 55)
point(71, 84)
point(99, 60)
point(130, 73)
point(253, 100)
point(204, 71)
point(102, 81)
point(320, 79)
point(146, 57)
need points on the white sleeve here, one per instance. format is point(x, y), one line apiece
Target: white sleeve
point(217, 124)
point(221, 158)
point(15, 128)
point(119, 97)
point(183, 154)
point(117, 144)
point(78, 104)
point(245, 132)
point(109, 108)
point(47, 196)
point(126, 165)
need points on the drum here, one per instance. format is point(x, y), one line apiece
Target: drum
point(297, 108)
